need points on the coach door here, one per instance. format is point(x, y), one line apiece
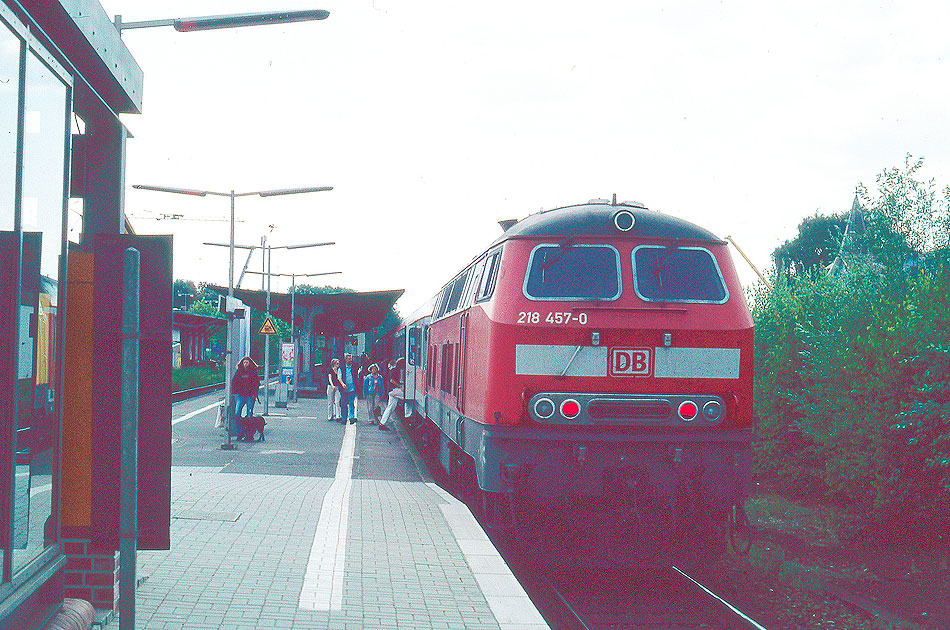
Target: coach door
point(424, 370)
point(412, 365)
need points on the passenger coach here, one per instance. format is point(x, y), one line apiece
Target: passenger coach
point(595, 358)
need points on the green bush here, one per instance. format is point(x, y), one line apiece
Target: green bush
point(853, 373)
point(190, 377)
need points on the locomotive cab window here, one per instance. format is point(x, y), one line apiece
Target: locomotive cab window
point(573, 272)
point(677, 274)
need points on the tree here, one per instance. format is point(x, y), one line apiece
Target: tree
point(906, 220)
point(183, 292)
point(817, 244)
point(309, 289)
point(205, 301)
point(392, 320)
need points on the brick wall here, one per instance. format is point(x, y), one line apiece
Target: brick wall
point(91, 576)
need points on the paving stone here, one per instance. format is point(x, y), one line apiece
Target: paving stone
point(403, 566)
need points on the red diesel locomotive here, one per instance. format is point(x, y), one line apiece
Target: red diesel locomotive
point(595, 361)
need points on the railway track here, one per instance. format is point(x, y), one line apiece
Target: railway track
point(586, 588)
point(648, 598)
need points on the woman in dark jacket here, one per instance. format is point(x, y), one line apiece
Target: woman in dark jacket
point(245, 385)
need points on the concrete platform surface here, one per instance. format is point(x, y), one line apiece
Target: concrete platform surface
point(377, 545)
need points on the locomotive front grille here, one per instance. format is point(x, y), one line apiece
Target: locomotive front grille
point(600, 409)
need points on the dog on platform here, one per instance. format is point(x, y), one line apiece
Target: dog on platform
point(250, 427)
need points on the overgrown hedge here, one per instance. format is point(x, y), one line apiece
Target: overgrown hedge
point(853, 376)
point(191, 377)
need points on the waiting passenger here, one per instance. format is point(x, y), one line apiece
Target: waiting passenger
point(373, 389)
point(395, 392)
point(349, 379)
point(333, 391)
point(245, 385)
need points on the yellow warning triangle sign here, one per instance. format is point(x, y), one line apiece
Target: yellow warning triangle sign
point(267, 328)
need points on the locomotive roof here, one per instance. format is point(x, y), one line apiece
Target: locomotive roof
point(598, 219)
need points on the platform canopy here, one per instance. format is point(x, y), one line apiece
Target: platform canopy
point(195, 323)
point(333, 314)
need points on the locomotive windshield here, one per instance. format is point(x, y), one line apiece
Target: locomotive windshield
point(576, 272)
point(677, 274)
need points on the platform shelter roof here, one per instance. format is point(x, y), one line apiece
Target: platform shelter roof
point(334, 314)
point(195, 323)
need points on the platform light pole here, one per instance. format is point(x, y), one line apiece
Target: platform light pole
point(237, 20)
point(227, 445)
point(293, 295)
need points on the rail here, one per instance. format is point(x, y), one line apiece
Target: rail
point(194, 392)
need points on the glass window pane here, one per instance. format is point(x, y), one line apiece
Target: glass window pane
point(577, 272)
point(43, 205)
point(677, 274)
point(9, 104)
point(456, 294)
point(474, 281)
point(488, 279)
point(11, 50)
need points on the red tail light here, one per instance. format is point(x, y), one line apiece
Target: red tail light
point(570, 409)
point(688, 410)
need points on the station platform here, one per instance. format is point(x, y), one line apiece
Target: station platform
point(282, 534)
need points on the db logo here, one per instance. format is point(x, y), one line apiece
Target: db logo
point(630, 362)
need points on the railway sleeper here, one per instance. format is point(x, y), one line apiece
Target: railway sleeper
point(629, 521)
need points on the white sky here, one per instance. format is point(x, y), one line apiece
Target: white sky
point(433, 120)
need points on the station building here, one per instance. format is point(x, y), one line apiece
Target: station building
point(65, 76)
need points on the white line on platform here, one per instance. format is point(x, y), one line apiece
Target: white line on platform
point(506, 598)
point(195, 413)
point(323, 582)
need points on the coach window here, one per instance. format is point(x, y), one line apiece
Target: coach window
point(677, 274)
point(459, 289)
point(439, 307)
point(487, 286)
point(573, 272)
point(471, 287)
point(399, 345)
point(413, 346)
point(453, 293)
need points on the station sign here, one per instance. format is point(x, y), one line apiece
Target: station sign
point(287, 352)
point(268, 328)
